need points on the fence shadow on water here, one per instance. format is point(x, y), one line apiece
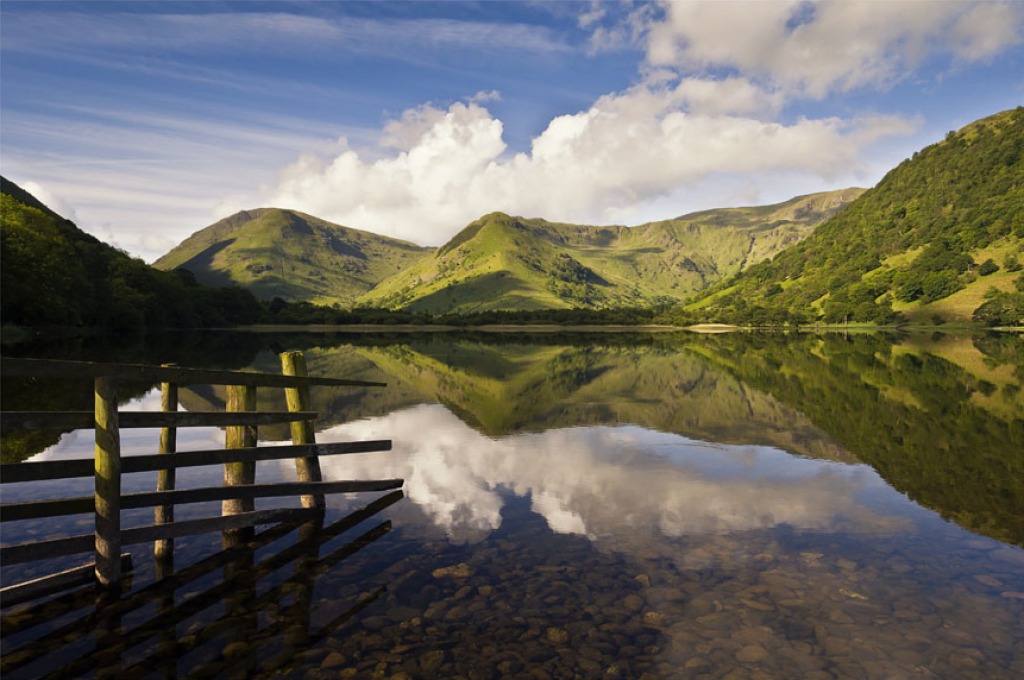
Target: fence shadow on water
point(256, 616)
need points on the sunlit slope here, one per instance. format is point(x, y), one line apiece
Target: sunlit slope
point(288, 254)
point(504, 262)
point(918, 243)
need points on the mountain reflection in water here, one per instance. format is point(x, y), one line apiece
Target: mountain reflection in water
point(675, 506)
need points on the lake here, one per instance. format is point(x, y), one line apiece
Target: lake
point(595, 506)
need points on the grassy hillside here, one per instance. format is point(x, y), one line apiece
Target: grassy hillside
point(54, 274)
point(287, 254)
point(503, 262)
point(941, 238)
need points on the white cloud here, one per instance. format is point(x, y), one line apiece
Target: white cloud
point(450, 166)
point(811, 49)
point(985, 30)
point(278, 32)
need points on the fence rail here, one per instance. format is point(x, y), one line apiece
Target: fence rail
point(51, 368)
point(239, 457)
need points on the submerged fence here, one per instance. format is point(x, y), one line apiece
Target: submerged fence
point(239, 457)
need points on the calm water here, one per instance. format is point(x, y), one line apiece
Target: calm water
point(597, 507)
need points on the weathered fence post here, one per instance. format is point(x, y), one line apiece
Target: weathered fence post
point(240, 398)
point(307, 469)
point(164, 514)
point(108, 484)
point(240, 650)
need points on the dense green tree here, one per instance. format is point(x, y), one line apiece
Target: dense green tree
point(988, 267)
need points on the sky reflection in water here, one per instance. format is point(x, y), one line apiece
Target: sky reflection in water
point(604, 482)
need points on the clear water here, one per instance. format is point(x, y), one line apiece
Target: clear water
point(590, 507)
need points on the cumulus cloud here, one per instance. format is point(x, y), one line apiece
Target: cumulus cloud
point(711, 102)
point(813, 48)
point(447, 167)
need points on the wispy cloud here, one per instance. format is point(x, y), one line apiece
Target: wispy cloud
point(277, 32)
point(144, 180)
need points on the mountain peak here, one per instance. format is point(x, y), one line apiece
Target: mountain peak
point(278, 252)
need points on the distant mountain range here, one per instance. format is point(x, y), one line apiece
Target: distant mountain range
point(498, 261)
point(939, 239)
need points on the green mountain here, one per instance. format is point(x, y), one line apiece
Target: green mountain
point(503, 262)
point(287, 254)
point(940, 238)
point(54, 274)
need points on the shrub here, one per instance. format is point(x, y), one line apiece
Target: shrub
point(988, 267)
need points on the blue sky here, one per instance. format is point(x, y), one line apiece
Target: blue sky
point(146, 121)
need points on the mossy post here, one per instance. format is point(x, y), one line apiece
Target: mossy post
point(108, 484)
point(164, 514)
point(240, 398)
point(307, 469)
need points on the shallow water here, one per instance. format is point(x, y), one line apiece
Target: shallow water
point(737, 507)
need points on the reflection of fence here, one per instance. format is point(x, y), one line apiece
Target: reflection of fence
point(239, 458)
point(139, 633)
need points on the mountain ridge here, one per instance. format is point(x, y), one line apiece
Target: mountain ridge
point(496, 262)
point(541, 264)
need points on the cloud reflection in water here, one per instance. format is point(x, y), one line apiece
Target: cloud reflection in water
point(603, 482)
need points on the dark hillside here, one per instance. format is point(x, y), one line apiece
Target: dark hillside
point(54, 274)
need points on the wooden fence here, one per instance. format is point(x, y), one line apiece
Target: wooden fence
point(238, 493)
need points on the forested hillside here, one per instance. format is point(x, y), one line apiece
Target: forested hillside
point(54, 274)
point(941, 238)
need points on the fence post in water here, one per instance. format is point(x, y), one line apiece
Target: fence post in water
point(307, 469)
point(108, 484)
point(240, 398)
point(164, 514)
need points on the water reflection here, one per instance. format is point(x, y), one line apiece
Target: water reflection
point(734, 506)
point(605, 483)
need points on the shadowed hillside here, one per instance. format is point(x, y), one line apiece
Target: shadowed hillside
point(54, 274)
